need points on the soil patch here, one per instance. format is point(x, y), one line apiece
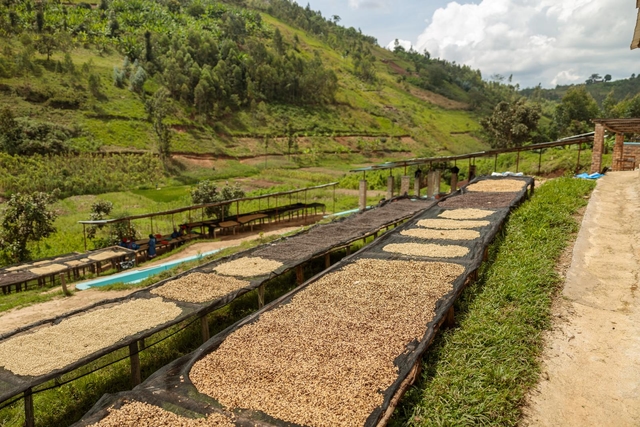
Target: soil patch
point(439, 100)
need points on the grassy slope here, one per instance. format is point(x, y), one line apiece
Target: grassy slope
point(116, 118)
point(479, 373)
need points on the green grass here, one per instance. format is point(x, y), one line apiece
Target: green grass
point(480, 372)
point(167, 194)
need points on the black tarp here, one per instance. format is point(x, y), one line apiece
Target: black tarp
point(353, 228)
point(171, 388)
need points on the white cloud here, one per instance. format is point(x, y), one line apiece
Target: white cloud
point(565, 77)
point(368, 4)
point(406, 44)
point(546, 41)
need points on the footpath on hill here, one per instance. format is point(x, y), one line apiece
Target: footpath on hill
point(591, 363)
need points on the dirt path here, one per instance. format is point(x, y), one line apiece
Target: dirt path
point(16, 318)
point(591, 364)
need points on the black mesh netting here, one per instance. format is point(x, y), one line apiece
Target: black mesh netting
point(337, 234)
point(171, 387)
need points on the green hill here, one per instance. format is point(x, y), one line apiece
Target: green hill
point(81, 75)
point(599, 89)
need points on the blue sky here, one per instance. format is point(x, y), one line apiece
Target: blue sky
point(537, 41)
point(383, 19)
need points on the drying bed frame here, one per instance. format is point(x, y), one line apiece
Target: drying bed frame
point(172, 389)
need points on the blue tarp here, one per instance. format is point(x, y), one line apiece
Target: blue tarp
point(592, 176)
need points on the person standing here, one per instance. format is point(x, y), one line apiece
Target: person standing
point(152, 246)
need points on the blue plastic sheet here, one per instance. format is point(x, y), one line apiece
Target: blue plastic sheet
point(592, 176)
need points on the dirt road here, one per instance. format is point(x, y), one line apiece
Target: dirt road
point(591, 364)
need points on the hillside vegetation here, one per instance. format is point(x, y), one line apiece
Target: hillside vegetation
point(84, 76)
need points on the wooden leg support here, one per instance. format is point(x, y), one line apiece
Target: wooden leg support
point(348, 250)
point(204, 323)
point(485, 255)
point(473, 276)
point(29, 414)
point(261, 296)
point(299, 275)
point(450, 319)
point(136, 377)
point(327, 260)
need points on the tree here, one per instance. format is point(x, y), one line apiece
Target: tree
point(575, 111)
point(278, 42)
point(511, 125)
point(27, 218)
point(99, 211)
point(292, 140)
point(609, 106)
point(47, 44)
point(207, 192)
point(10, 132)
point(607, 77)
point(594, 78)
point(148, 47)
point(158, 107)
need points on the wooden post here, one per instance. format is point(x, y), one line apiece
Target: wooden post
point(63, 282)
point(362, 204)
point(204, 325)
point(375, 235)
point(495, 163)
point(578, 163)
point(334, 199)
point(327, 260)
point(416, 187)
point(430, 183)
point(299, 275)
point(436, 182)
point(261, 296)
point(141, 345)
point(136, 377)
point(29, 414)
point(485, 255)
point(348, 250)
point(474, 275)
point(518, 162)
point(454, 182)
point(540, 160)
point(84, 231)
point(450, 319)
point(404, 185)
point(390, 187)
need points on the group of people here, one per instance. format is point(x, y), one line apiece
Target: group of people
point(153, 241)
